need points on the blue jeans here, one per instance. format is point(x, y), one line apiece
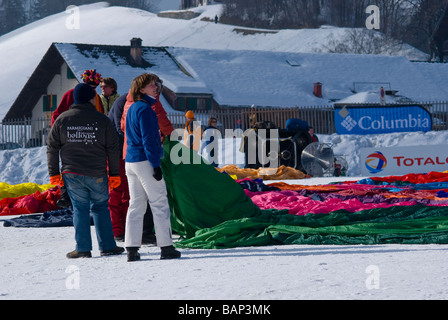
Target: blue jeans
point(90, 195)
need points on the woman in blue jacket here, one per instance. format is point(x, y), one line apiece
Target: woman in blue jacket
point(146, 183)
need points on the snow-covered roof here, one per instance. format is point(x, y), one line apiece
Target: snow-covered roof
point(261, 78)
point(287, 79)
point(115, 62)
point(236, 78)
point(370, 97)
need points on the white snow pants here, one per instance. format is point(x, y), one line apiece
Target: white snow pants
point(143, 188)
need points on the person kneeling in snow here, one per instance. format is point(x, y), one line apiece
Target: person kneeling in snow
point(86, 142)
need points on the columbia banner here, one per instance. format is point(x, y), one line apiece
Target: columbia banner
point(385, 119)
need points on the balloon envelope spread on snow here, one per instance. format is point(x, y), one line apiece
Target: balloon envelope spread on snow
point(211, 210)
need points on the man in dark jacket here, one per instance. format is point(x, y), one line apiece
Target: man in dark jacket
point(87, 143)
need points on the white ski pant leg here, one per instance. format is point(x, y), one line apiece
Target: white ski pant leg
point(143, 188)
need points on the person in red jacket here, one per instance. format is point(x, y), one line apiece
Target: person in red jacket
point(314, 138)
point(90, 77)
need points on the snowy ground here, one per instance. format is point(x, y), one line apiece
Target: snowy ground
point(34, 267)
point(33, 263)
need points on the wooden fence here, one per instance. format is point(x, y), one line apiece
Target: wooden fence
point(28, 133)
point(24, 133)
point(321, 118)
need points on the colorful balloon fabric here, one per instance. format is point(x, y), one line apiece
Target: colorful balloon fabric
point(363, 195)
point(13, 191)
point(27, 198)
point(212, 210)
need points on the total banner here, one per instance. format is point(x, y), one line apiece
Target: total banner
point(403, 160)
point(363, 120)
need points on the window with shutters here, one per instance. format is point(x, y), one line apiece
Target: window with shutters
point(50, 102)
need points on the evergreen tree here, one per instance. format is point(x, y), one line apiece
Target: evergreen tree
point(13, 13)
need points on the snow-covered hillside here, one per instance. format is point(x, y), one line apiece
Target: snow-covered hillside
point(22, 49)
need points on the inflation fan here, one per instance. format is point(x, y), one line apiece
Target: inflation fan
point(318, 160)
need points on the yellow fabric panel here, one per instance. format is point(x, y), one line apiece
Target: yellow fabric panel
point(14, 191)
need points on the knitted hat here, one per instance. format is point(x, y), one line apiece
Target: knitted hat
point(83, 93)
point(91, 77)
point(189, 115)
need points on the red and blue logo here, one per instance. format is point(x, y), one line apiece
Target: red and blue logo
point(376, 162)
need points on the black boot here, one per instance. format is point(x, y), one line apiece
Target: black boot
point(133, 254)
point(64, 201)
point(113, 252)
point(169, 253)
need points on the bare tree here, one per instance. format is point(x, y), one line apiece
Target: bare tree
point(363, 41)
point(412, 21)
point(424, 23)
point(275, 14)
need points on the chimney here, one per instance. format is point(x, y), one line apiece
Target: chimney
point(318, 89)
point(136, 50)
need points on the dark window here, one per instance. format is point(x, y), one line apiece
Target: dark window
point(184, 103)
point(192, 104)
point(70, 74)
point(50, 102)
point(204, 104)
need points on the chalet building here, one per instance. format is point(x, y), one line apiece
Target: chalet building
point(44, 89)
point(62, 65)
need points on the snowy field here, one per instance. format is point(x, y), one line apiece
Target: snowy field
point(34, 266)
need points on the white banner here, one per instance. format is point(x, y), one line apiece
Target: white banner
point(403, 160)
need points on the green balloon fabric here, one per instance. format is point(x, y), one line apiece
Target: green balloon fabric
point(210, 210)
point(200, 196)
